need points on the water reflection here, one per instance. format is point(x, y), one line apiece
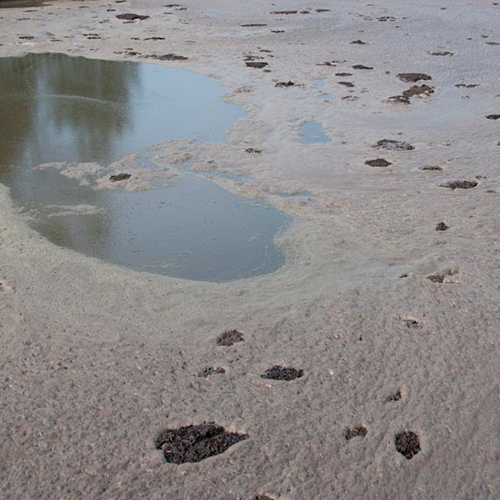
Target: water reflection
point(56, 108)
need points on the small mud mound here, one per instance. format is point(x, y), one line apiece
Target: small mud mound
point(442, 226)
point(360, 66)
point(394, 397)
point(168, 57)
point(285, 84)
point(441, 53)
point(282, 373)
point(408, 444)
point(211, 370)
point(195, 443)
point(359, 431)
point(459, 185)
point(392, 145)
point(418, 90)
point(378, 162)
point(440, 277)
point(399, 99)
point(413, 77)
point(229, 337)
point(431, 168)
point(493, 117)
point(256, 64)
point(119, 177)
point(412, 324)
point(132, 17)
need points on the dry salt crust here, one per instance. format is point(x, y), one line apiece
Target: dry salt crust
point(96, 360)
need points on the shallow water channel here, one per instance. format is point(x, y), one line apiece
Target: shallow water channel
point(57, 108)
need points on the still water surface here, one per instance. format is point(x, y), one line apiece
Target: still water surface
point(56, 108)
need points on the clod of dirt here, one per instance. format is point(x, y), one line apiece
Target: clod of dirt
point(431, 168)
point(229, 337)
point(394, 397)
point(493, 117)
point(322, 10)
point(282, 373)
point(400, 99)
point(378, 162)
point(211, 370)
point(358, 42)
point(256, 64)
point(285, 12)
point(413, 77)
point(418, 90)
point(169, 57)
point(285, 84)
point(359, 431)
point(412, 323)
point(131, 17)
point(392, 145)
point(467, 86)
point(441, 53)
point(195, 443)
point(346, 84)
point(154, 38)
point(343, 74)
point(440, 277)
point(360, 66)
point(119, 177)
point(253, 151)
point(386, 18)
point(459, 185)
point(442, 226)
point(408, 444)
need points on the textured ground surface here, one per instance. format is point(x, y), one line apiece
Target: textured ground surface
point(395, 325)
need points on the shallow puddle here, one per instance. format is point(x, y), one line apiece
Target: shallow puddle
point(326, 97)
point(312, 132)
point(55, 108)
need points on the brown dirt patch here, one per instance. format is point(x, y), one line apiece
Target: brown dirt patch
point(195, 443)
point(229, 337)
point(282, 373)
point(408, 444)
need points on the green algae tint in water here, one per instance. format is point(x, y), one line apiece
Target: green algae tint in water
point(56, 108)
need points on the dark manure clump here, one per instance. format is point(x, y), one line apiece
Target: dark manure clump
point(378, 162)
point(392, 145)
point(359, 431)
point(408, 444)
point(195, 443)
point(132, 17)
point(413, 77)
point(119, 177)
point(459, 185)
point(282, 373)
point(211, 370)
point(256, 64)
point(229, 337)
point(442, 226)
